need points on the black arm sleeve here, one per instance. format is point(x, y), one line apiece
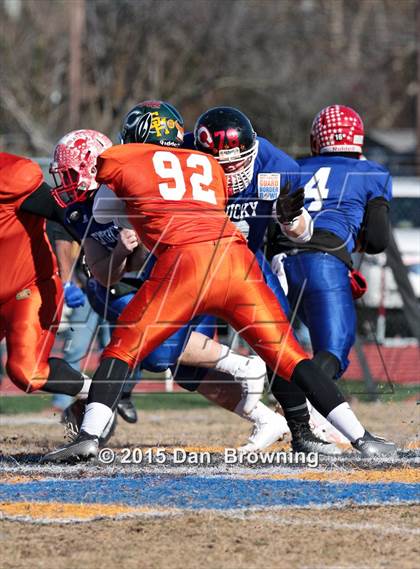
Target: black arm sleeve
point(42, 203)
point(374, 233)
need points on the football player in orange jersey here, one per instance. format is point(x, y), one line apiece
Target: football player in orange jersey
point(31, 296)
point(176, 199)
point(31, 293)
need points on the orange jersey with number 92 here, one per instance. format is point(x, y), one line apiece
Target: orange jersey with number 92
point(173, 196)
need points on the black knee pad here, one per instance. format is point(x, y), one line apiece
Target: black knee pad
point(328, 363)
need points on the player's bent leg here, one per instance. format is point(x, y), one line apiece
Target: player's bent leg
point(167, 353)
point(268, 426)
point(296, 411)
point(249, 372)
point(322, 428)
point(324, 394)
point(140, 330)
point(320, 282)
point(263, 324)
point(291, 398)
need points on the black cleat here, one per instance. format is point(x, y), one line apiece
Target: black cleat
point(304, 440)
point(371, 445)
point(72, 418)
point(83, 448)
point(127, 410)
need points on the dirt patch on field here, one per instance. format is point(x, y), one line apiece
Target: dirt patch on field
point(348, 538)
point(325, 539)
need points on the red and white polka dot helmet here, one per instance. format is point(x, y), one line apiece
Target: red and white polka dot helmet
point(74, 165)
point(337, 129)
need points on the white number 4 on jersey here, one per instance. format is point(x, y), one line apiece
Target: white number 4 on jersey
point(316, 189)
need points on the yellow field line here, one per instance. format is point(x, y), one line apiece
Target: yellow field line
point(55, 510)
point(407, 475)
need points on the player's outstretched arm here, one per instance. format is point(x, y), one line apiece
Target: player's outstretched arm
point(41, 202)
point(294, 220)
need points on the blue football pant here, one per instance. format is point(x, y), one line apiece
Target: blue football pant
point(326, 306)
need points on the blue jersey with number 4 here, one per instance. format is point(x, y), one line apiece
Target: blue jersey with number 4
point(337, 190)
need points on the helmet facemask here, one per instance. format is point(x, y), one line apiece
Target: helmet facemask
point(69, 187)
point(238, 167)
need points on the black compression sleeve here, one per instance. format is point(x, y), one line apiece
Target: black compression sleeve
point(41, 202)
point(374, 235)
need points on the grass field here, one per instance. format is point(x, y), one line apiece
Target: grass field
point(38, 402)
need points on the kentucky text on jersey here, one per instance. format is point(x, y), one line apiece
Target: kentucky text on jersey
point(238, 211)
point(107, 236)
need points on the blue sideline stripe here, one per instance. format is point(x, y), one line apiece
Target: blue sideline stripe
point(195, 492)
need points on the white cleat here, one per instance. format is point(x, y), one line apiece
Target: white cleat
point(269, 427)
point(251, 375)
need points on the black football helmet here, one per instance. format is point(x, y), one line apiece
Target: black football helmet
point(227, 134)
point(153, 122)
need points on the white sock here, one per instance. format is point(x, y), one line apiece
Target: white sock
point(84, 392)
point(229, 362)
point(96, 418)
point(343, 419)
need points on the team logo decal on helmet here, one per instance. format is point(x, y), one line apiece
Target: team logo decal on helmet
point(337, 128)
point(74, 165)
point(204, 137)
point(139, 124)
point(153, 122)
point(227, 134)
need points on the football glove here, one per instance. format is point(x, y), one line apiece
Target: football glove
point(73, 295)
point(358, 284)
point(289, 206)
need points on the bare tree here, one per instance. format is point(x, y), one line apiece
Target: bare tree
point(278, 60)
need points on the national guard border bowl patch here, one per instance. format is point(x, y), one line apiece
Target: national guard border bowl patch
point(268, 186)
